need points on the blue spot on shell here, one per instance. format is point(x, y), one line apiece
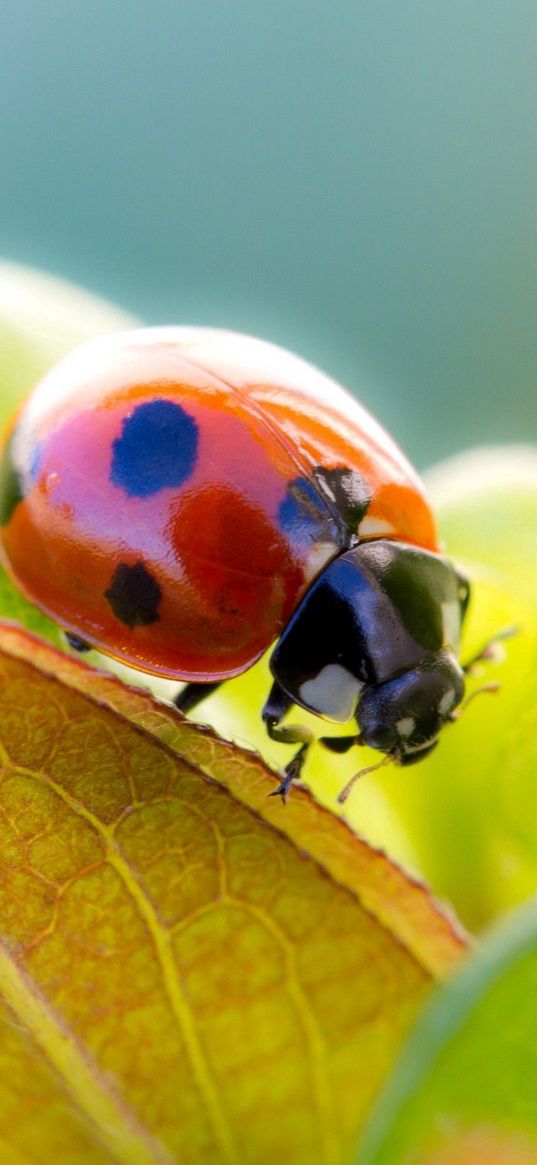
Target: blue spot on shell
point(327, 507)
point(157, 449)
point(304, 515)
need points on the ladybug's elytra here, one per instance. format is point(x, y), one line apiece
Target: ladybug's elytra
point(182, 498)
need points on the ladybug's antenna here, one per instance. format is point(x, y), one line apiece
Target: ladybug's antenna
point(492, 687)
point(386, 760)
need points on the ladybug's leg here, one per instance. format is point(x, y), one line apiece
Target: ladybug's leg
point(274, 710)
point(192, 694)
point(75, 643)
point(489, 649)
point(339, 743)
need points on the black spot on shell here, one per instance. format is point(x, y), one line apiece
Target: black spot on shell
point(134, 595)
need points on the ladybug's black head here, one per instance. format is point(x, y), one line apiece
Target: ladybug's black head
point(404, 716)
point(377, 637)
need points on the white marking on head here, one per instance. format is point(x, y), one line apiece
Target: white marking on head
point(406, 726)
point(373, 527)
point(333, 692)
point(447, 701)
point(451, 618)
point(320, 554)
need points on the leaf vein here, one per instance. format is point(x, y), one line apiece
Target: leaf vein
point(161, 939)
point(116, 1126)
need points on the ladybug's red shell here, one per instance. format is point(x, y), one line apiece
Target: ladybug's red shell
point(170, 494)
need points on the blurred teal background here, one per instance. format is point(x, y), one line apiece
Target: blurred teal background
point(355, 180)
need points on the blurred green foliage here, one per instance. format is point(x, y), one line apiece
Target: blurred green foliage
point(463, 1092)
point(472, 810)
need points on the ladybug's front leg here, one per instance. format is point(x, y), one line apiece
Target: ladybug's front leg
point(277, 704)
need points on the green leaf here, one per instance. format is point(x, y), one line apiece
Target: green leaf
point(41, 319)
point(189, 970)
point(464, 1090)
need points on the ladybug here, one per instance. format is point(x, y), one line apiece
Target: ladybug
point(183, 498)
